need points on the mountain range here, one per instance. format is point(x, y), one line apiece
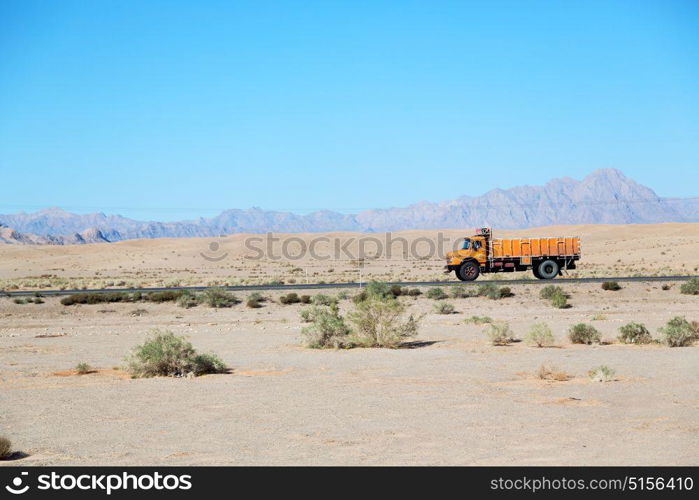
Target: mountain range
point(606, 196)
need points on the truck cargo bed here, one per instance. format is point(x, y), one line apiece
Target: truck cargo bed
point(562, 246)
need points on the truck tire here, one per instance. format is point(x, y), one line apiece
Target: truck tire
point(536, 272)
point(468, 271)
point(548, 269)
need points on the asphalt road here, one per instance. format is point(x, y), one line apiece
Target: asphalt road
point(318, 286)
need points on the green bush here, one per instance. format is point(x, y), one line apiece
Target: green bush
point(436, 293)
point(559, 301)
point(163, 296)
point(549, 291)
point(602, 374)
point(289, 298)
point(5, 448)
point(165, 354)
point(378, 323)
point(254, 301)
point(442, 307)
point(97, 298)
point(323, 300)
point(305, 299)
point(187, 300)
point(540, 335)
point(583, 333)
point(306, 314)
point(634, 333)
point(691, 287)
point(327, 329)
point(83, 369)
point(414, 292)
point(19, 301)
point(499, 333)
point(611, 285)
point(461, 292)
point(479, 320)
point(493, 291)
point(678, 332)
point(218, 297)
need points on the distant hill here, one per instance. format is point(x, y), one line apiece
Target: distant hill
point(605, 196)
point(13, 237)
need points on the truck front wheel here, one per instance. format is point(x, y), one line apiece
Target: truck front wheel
point(548, 269)
point(468, 271)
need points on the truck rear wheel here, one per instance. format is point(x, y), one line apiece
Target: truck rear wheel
point(536, 273)
point(548, 269)
point(468, 271)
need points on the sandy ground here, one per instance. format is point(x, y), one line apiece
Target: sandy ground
point(607, 250)
point(453, 400)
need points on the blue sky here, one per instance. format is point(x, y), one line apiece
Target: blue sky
point(174, 109)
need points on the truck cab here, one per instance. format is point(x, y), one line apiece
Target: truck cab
point(473, 254)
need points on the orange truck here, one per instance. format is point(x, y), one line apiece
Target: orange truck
point(481, 253)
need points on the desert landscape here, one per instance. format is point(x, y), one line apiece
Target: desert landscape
point(451, 394)
point(607, 250)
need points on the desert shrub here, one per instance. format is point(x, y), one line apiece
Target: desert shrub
point(327, 329)
point(436, 293)
point(82, 368)
point(602, 373)
point(665, 287)
point(678, 332)
point(218, 297)
point(691, 287)
point(204, 363)
point(306, 314)
point(634, 333)
point(38, 300)
point(414, 292)
point(5, 447)
point(323, 300)
point(290, 298)
point(499, 333)
point(551, 373)
point(305, 299)
point(549, 291)
point(442, 307)
point(493, 291)
point(582, 333)
point(378, 323)
point(165, 354)
point(138, 312)
point(540, 335)
point(460, 292)
point(342, 295)
point(96, 298)
point(377, 289)
point(254, 301)
point(163, 296)
point(479, 320)
point(19, 301)
point(559, 301)
point(187, 300)
point(611, 285)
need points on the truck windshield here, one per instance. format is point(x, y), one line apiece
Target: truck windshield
point(467, 244)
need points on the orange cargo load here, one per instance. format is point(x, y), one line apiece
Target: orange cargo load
point(535, 247)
